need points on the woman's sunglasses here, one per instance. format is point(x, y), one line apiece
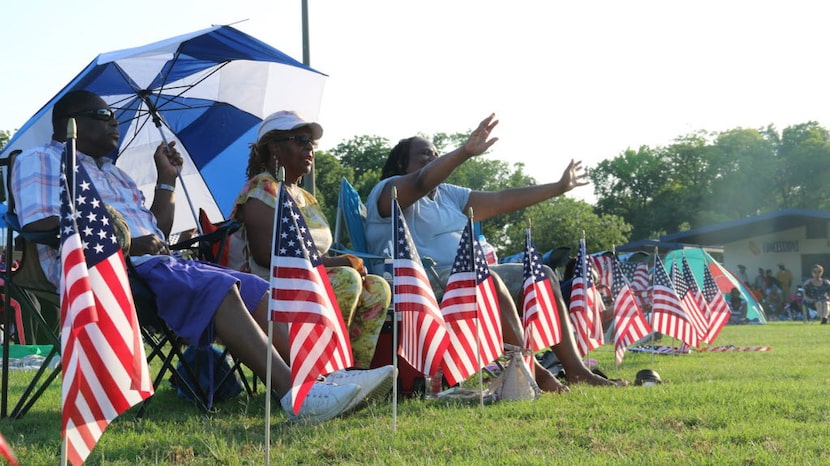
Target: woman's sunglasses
point(301, 139)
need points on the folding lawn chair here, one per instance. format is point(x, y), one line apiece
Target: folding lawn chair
point(351, 220)
point(39, 303)
point(37, 314)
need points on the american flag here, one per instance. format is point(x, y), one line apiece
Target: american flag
point(640, 285)
point(302, 296)
point(540, 310)
point(701, 319)
point(628, 269)
point(604, 271)
point(667, 314)
point(719, 311)
point(471, 311)
point(104, 365)
point(584, 307)
point(424, 336)
point(630, 324)
point(687, 301)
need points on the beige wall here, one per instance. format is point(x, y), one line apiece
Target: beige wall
point(785, 247)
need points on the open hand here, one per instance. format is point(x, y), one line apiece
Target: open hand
point(478, 143)
point(573, 176)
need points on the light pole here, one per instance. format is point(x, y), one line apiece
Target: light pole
point(308, 180)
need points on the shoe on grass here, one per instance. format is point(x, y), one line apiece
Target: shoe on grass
point(323, 402)
point(373, 383)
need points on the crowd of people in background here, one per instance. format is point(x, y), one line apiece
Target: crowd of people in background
point(781, 299)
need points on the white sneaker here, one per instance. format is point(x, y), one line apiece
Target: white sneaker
point(373, 383)
point(323, 402)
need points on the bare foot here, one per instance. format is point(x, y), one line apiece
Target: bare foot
point(548, 383)
point(590, 378)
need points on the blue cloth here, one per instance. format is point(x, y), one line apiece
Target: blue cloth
point(189, 292)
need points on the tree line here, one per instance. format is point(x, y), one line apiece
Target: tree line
point(706, 178)
point(699, 179)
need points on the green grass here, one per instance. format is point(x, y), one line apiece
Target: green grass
point(713, 408)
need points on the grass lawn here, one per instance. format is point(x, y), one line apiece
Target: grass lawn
point(713, 408)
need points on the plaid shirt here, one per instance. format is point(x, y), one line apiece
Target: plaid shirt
point(36, 189)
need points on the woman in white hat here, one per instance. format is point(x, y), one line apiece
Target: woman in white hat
point(285, 139)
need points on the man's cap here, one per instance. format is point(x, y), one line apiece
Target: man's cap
point(741, 266)
point(287, 120)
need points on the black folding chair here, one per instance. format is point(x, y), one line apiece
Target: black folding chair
point(37, 301)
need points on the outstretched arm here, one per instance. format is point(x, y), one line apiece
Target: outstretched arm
point(413, 186)
point(487, 204)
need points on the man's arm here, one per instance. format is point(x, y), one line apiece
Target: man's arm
point(168, 162)
point(44, 224)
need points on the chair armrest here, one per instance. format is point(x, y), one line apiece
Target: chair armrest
point(363, 255)
point(222, 231)
point(49, 237)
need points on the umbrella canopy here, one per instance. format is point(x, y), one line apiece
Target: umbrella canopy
point(207, 90)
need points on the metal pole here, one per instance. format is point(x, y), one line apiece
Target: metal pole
point(308, 180)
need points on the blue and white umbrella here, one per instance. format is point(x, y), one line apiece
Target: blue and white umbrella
point(207, 90)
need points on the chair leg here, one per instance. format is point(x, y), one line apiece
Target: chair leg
point(157, 343)
point(33, 390)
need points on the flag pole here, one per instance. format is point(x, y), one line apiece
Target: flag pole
point(479, 363)
point(69, 174)
point(394, 326)
point(584, 266)
point(269, 363)
point(651, 314)
point(616, 260)
point(525, 329)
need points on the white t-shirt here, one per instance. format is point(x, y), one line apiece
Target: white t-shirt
point(435, 223)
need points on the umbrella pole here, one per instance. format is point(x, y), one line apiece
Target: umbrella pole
point(181, 183)
point(145, 97)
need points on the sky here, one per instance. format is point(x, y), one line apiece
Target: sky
point(581, 80)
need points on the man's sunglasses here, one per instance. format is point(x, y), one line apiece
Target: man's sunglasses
point(102, 114)
point(299, 139)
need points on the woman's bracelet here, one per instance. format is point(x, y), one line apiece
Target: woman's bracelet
point(166, 187)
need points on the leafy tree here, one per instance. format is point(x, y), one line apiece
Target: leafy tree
point(365, 156)
point(561, 222)
point(4, 138)
point(328, 172)
point(806, 161)
point(627, 185)
point(703, 178)
point(746, 172)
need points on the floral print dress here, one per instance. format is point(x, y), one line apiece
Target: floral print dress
point(363, 302)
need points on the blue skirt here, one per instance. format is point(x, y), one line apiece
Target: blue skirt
point(188, 293)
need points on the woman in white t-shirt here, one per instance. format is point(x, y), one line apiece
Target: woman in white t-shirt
point(435, 214)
